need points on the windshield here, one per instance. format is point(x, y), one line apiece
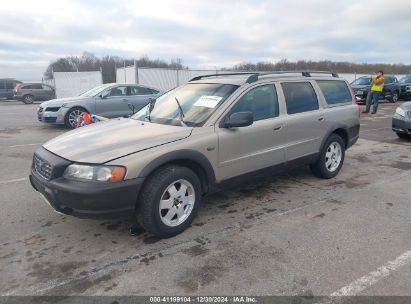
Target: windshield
point(95, 91)
point(198, 101)
point(361, 81)
point(405, 79)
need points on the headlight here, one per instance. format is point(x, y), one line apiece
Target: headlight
point(400, 111)
point(95, 173)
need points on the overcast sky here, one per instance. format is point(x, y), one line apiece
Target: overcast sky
point(205, 34)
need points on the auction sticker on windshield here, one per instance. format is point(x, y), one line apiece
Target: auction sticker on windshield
point(208, 101)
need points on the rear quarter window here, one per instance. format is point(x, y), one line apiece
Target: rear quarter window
point(335, 92)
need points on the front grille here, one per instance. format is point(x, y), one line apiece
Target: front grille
point(42, 167)
point(52, 109)
point(50, 119)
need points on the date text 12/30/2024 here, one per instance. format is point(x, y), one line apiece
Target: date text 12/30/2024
point(203, 299)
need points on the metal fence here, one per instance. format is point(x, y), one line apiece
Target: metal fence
point(163, 79)
point(69, 84)
point(166, 79)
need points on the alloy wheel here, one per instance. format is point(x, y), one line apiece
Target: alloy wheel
point(333, 156)
point(176, 203)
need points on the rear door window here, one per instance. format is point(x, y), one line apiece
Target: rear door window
point(335, 91)
point(137, 90)
point(37, 86)
point(2, 84)
point(299, 97)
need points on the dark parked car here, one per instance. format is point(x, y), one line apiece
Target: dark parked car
point(6, 87)
point(405, 83)
point(391, 91)
point(401, 121)
point(29, 92)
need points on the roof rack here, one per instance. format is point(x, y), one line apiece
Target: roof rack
point(255, 75)
point(250, 79)
point(303, 73)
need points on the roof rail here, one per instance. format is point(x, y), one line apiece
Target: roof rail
point(303, 73)
point(252, 78)
point(255, 75)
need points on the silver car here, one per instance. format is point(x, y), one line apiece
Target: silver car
point(159, 163)
point(108, 100)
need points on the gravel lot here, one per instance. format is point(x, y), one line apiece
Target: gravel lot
point(291, 234)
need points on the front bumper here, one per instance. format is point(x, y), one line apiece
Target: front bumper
point(51, 117)
point(401, 125)
point(405, 94)
point(85, 199)
point(362, 97)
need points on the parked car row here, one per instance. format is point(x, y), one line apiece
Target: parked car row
point(25, 92)
point(393, 90)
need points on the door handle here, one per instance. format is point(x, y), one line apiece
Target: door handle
point(124, 100)
point(278, 128)
point(321, 118)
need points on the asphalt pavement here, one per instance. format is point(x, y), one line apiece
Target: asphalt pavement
point(290, 234)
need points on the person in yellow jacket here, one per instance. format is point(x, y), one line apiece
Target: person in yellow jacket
point(377, 84)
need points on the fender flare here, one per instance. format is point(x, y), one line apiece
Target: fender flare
point(181, 155)
point(332, 130)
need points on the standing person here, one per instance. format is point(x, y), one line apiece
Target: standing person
point(376, 87)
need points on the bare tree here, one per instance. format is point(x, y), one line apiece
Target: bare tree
point(89, 62)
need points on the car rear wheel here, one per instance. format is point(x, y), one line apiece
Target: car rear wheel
point(28, 99)
point(331, 158)
point(169, 201)
point(394, 97)
point(72, 117)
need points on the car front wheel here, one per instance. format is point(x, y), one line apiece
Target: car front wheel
point(394, 97)
point(169, 201)
point(72, 117)
point(331, 158)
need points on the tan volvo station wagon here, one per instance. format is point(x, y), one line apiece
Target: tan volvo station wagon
point(158, 164)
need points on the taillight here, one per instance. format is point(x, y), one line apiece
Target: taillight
point(18, 89)
point(354, 100)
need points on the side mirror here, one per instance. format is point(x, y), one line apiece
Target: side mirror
point(104, 95)
point(237, 120)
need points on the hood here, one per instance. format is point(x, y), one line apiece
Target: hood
point(105, 141)
point(59, 101)
point(358, 87)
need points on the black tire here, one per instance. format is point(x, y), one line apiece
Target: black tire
point(149, 215)
point(394, 97)
point(403, 136)
point(68, 119)
point(28, 99)
point(320, 168)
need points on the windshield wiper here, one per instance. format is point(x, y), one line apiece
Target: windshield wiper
point(150, 108)
point(181, 113)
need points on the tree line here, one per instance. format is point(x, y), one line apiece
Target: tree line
point(324, 65)
point(107, 64)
